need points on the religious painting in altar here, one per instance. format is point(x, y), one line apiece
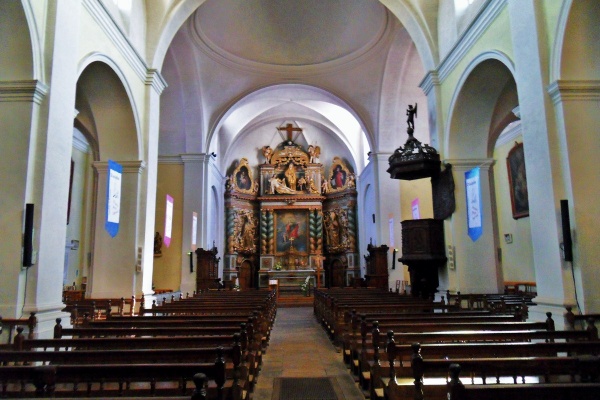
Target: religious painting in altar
point(242, 180)
point(291, 231)
point(340, 177)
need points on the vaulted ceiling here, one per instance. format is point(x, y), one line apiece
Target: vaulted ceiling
point(238, 68)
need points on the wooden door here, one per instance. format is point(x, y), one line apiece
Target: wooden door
point(337, 274)
point(245, 275)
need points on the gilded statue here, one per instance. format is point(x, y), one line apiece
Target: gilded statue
point(267, 153)
point(351, 181)
point(325, 187)
point(290, 176)
point(249, 233)
point(302, 183)
point(228, 184)
point(332, 229)
point(314, 152)
point(311, 186)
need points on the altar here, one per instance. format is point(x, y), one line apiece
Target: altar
point(288, 220)
point(290, 282)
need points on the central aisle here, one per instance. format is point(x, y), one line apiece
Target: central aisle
point(299, 348)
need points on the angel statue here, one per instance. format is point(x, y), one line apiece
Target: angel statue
point(411, 113)
point(268, 153)
point(314, 152)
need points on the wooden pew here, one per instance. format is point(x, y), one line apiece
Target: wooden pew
point(353, 321)
point(232, 356)
point(564, 391)
point(490, 371)
point(574, 322)
point(362, 359)
point(499, 302)
point(332, 305)
point(482, 344)
point(117, 380)
point(10, 325)
point(250, 361)
point(100, 308)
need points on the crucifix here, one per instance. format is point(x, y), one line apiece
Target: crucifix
point(290, 130)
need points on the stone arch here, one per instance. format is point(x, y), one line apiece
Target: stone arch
point(475, 106)
point(107, 115)
point(20, 51)
point(576, 51)
point(481, 107)
point(107, 109)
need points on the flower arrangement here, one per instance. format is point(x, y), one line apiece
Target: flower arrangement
point(278, 267)
point(305, 287)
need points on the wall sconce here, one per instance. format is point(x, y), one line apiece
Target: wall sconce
point(191, 254)
point(394, 259)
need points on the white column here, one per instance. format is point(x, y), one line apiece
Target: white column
point(545, 183)
point(200, 174)
point(194, 180)
point(476, 267)
point(114, 270)
point(387, 206)
point(155, 84)
point(431, 86)
point(578, 120)
point(49, 161)
point(19, 109)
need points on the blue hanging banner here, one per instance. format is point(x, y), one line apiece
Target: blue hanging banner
point(113, 198)
point(473, 195)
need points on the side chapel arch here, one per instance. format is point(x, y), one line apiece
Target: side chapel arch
point(108, 116)
point(480, 108)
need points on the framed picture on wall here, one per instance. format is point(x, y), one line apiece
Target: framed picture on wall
point(291, 231)
point(517, 181)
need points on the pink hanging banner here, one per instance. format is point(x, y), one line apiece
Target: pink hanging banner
point(414, 205)
point(168, 221)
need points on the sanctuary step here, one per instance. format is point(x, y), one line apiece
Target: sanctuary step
point(292, 300)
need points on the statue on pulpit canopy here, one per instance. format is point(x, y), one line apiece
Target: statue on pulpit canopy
point(411, 113)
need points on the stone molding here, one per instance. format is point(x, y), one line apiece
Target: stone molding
point(23, 91)
point(585, 90)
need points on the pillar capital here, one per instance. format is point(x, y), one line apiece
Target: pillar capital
point(129, 167)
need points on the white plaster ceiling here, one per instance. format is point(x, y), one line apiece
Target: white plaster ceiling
point(290, 32)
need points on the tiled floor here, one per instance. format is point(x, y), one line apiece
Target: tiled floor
point(299, 348)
